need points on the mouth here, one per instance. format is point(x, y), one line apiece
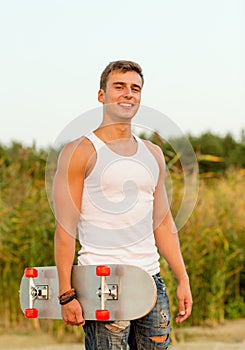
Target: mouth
point(126, 104)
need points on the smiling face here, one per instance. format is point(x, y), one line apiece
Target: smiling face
point(122, 95)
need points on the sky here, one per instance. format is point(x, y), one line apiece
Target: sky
point(53, 51)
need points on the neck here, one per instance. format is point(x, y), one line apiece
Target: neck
point(114, 131)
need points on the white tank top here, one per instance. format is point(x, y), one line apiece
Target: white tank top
point(115, 225)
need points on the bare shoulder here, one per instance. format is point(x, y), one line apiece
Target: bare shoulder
point(156, 151)
point(75, 154)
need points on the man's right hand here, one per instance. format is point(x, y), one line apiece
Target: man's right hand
point(72, 313)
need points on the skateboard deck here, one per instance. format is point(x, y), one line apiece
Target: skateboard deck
point(114, 292)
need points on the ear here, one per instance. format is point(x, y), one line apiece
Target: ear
point(101, 97)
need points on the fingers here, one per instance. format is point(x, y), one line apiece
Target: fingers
point(185, 301)
point(74, 320)
point(182, 312)
point(75, 323)
point(185, 309)
point(72, 314)
point(80, 320)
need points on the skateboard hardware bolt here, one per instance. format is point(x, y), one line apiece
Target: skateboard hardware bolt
point(42, 292)
point(112, 292)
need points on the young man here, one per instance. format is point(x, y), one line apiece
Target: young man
point(110, 186)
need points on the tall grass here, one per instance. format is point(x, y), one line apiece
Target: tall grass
point(26, 226)
point(213, 246)
point(213, 240)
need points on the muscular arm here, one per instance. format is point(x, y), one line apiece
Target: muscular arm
point(67, 194)
point(167, 241)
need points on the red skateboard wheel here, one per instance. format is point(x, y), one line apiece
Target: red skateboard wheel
point(102, 315)
point(102, 270)
point(31, 272)
point(31, 313)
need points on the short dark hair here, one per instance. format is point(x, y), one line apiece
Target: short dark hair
point(123, 66)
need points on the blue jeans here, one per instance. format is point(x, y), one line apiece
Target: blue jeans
point(136, 334)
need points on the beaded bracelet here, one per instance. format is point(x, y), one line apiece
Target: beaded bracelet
point(68, 299)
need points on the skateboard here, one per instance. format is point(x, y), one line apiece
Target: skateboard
point(114, 292)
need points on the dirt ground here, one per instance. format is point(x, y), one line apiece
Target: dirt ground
point(230, 335)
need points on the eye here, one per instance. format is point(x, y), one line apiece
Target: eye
point(136, 89)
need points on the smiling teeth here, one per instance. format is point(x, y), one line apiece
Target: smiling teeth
point(126, 104)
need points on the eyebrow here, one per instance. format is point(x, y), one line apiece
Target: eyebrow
point(122, 83)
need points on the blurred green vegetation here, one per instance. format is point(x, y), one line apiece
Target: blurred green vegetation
point(215, 154)
point(213, 240)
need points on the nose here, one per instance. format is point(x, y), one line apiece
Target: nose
point(128, 92)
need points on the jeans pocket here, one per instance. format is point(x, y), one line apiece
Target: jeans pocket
point(160, 284)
